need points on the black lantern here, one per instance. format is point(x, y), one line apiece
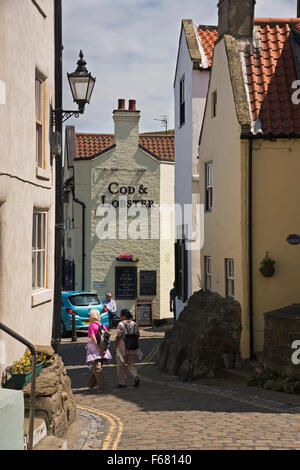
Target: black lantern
point(82, 84)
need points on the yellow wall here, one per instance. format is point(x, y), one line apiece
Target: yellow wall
point(276, 202)
point(224, 228)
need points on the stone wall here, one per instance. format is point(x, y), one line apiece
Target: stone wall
point(282, 328)
point(54, 394)
point(194, 347)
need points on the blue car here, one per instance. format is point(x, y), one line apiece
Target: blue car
point(80, 303)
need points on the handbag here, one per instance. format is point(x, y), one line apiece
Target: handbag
point(131, 339)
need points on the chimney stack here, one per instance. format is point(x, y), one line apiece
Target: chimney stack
point(127, 124)
point(236, 18)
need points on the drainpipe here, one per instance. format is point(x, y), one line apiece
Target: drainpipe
point(58, 179)
point(250, 243)
point(83, 236)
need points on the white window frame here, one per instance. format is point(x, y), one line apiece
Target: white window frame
point(229, 266)
point(207, 264)
point(40, 115)
point(208, 186)
point(39, 250)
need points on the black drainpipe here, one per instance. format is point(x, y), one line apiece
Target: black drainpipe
point(250, 241)
point(83, 236)
point(58, 179)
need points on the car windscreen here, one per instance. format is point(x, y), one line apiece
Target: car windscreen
point(84, 300)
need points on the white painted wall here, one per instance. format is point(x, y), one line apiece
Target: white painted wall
point(186, 145)
point(27, 44)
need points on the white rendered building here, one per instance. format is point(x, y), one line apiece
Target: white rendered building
point(195, 52)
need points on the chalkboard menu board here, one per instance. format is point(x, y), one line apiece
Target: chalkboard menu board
point(148, 283)
point(126, 283)
point(144, 312)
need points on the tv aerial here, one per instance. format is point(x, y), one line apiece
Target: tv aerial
point(164, 120)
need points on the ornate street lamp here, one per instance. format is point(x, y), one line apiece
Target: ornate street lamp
point(82, 85)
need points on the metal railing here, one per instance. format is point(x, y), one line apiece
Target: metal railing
point(32, 349)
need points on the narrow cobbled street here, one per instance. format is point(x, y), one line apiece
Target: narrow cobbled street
point(166, 414)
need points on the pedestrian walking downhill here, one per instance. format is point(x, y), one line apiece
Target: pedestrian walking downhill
point(96, 355)
point(126, 348)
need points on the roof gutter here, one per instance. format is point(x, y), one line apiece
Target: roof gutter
point(269, 136)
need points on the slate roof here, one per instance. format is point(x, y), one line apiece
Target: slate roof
point(160, 146)
point(270, 72)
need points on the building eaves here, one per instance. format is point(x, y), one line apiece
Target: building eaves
point(96, 155)
point(238, 83)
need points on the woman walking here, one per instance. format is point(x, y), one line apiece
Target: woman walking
point(95, 356)
point(123, 349)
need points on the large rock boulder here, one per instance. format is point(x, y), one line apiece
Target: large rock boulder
point(193, 348)
point(54, 395)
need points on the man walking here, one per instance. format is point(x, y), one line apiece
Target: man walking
point(111, 306)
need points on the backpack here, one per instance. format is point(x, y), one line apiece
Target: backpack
point(102, 337)
point(131, 340)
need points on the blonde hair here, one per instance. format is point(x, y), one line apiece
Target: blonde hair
point(94, 314)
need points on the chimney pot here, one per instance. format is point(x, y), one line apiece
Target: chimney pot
point(121, 104)
point(132, 105)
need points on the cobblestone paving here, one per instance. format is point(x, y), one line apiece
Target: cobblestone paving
point(92, 433)
point(168, 415)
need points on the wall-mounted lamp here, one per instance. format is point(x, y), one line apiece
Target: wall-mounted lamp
point(82, 85)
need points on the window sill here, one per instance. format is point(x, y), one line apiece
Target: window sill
point(41, 296)
point(42, 173)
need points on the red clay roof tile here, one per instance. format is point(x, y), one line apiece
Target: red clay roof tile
point(159, 145)
point(270, 72)
point(208, 36)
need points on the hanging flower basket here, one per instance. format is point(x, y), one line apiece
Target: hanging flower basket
point(127, 258)
point(267, 266)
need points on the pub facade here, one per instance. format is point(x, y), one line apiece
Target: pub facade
point(119, 218)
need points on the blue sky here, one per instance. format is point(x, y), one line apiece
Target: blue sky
point(131, 47)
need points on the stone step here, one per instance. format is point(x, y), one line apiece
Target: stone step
point(52, 443)
point(39, 433)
